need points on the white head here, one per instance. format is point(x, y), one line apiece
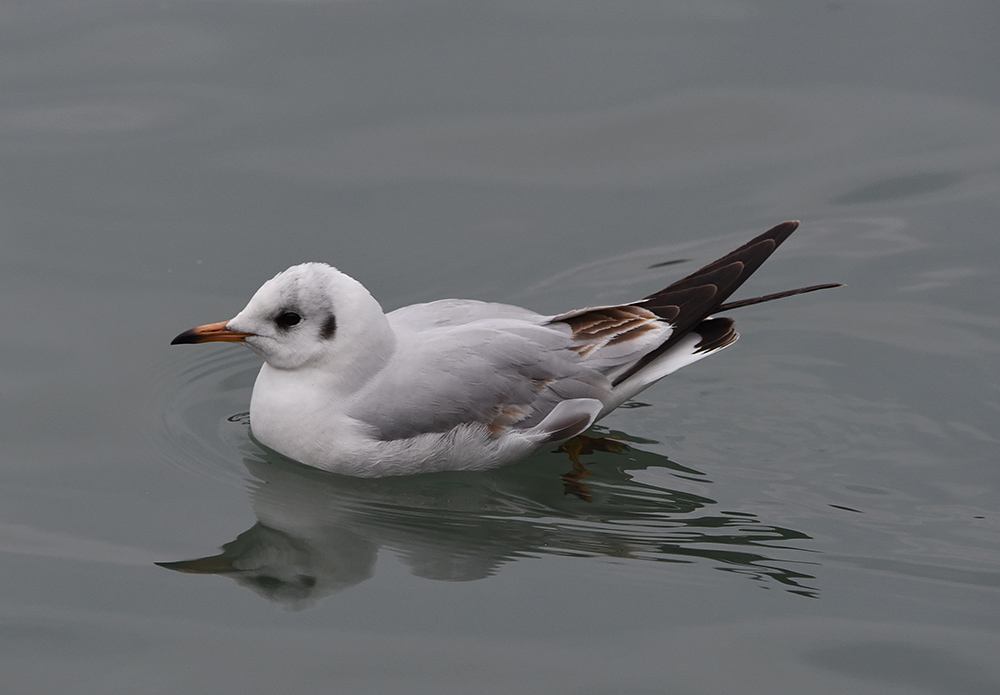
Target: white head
point(309, 316)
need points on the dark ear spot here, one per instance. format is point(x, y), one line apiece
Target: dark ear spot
point(329, 327)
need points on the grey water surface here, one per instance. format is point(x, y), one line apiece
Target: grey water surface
point(814, 510)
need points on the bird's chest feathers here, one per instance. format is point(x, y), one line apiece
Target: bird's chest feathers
point(301, 413)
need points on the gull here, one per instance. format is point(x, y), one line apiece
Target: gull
point(462, 384)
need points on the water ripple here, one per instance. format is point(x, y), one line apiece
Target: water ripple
point(193, 403)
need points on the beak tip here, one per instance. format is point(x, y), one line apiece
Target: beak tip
point(181, 339)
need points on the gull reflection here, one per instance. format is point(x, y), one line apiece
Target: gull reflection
point(318, 533)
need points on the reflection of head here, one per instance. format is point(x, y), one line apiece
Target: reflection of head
point(287, 570)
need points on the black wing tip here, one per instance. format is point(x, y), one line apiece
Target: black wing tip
point(778, 295)
point(782, 231)
point(752, 255)
point(704, 292)
point(778, 234)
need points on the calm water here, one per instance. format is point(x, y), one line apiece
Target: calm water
point(814, 510)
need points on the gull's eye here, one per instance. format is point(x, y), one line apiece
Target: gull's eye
point(287, 319)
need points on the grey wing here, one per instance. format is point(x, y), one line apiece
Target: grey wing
point(455, 312)
point(469, 362)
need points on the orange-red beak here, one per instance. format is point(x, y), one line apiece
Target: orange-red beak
point(210, 332)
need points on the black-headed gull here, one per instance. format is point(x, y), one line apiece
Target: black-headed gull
point(461, 384)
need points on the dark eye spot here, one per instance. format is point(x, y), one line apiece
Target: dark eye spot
point(287, 319)
point(265, 581)
point(329, 327)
